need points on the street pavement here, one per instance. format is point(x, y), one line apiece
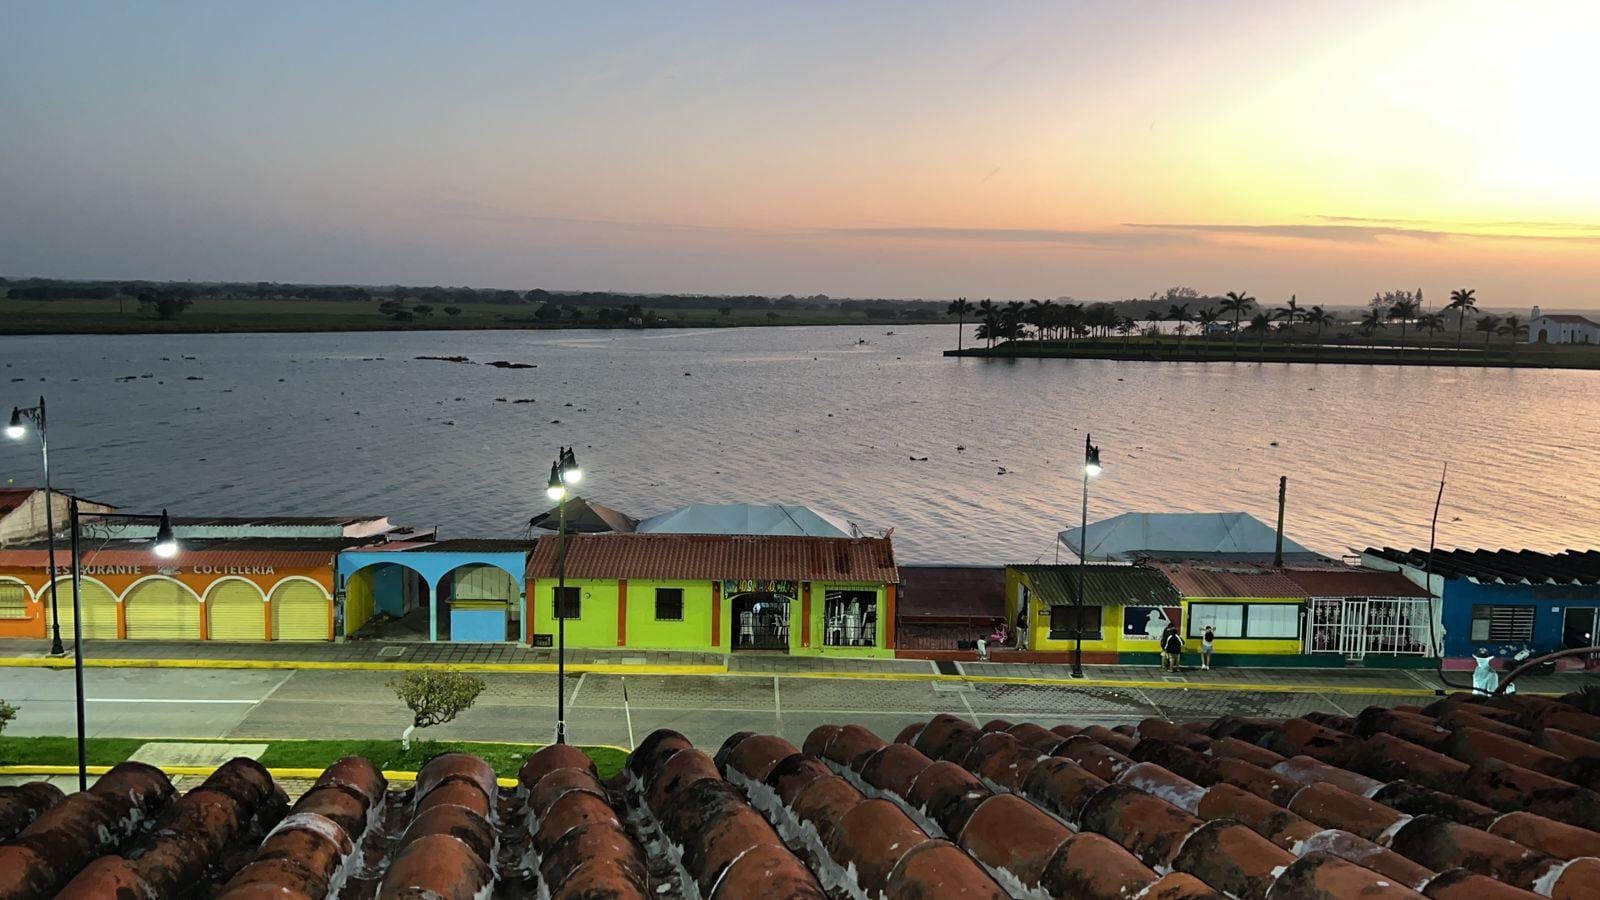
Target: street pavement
point(601, 708)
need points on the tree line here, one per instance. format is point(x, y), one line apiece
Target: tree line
point(1233, 314)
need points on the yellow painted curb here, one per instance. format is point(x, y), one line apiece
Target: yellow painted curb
point(326, 665)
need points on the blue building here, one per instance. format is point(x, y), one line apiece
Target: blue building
point(1505, 601)
point(458, 590)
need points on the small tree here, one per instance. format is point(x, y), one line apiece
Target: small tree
point(434, 696)
point(452, 311)
point(7, 713)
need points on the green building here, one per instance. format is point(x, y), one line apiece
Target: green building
point(800, 595)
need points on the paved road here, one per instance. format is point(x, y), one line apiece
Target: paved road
point(602, 709)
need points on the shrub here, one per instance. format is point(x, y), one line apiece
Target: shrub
point(7, 713)
point(435, 696)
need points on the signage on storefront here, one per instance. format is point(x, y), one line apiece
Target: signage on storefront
point(1146, 623)
point(731, 587)
point(191, 570)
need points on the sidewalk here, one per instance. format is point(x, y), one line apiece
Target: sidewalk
point(511, 659)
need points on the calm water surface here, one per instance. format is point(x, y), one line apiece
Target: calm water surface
point(352, 423)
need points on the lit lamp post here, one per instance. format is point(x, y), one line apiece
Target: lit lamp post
point(563, 473)
point(165, 547)
point(1091, 468)
point(17, 430)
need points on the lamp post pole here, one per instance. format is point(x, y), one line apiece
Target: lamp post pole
point(563, 472)
point(16, 430)
point(165, 546)
point(1091, 466)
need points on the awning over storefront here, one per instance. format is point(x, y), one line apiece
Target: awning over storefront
point(1103, 585)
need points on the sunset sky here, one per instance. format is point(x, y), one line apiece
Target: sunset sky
point(1096, 150)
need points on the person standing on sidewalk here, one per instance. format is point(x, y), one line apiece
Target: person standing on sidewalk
point(1172, 650)
point(1208, 643)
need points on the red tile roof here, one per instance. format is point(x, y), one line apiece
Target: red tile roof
point(715, 557)
point(1469, 797)
point(287, 558)
point(1351, 582)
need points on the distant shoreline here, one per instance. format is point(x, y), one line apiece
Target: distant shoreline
point(180, 326)
point(1499, 356)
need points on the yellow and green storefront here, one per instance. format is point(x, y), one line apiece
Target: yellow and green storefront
point(794, 595)
point(1124, 610)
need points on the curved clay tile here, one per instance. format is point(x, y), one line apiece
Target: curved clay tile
point(940, 869)
point(1232, 858)
point(1012, 836)
point(459, 822)
point(756, 755)
point(1149, 828)
point(456, 767)
point(1002, 759)
point(1322, 877)
point(437, 867)
point(766, 870)
point(794, 774)
point(893, 768)
point(823, 802)
point(947, 794)
point(587, 845)
point(654, 749)
point(556, 784)
point(1037, 737)
point(20, 805)
point(1094, 867)
point(677, 772)
point(1061, 787)
point(1102, 761)
point(1368, 855)
point(1334, 807)
point(947, 737)
point(873, 836)
point(1276, 824)
point(553, 758)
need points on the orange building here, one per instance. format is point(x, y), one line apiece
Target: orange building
point(249, 590)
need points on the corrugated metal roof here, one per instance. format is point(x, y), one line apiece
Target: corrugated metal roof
point(1103, 585)
point(1503, 566)
point(473, 545)
point(1351, 582)
point(1231, 581)
point(716, 557)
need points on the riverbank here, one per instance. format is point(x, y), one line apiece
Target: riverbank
point(1145, 349)
point(108, 316)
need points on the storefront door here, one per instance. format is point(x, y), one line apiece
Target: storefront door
point(761, 622)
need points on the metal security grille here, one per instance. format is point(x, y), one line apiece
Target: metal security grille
point(1503, 624)
point(99, 610)
point(850, 619)
point(13, 600)
point(761, 622)
point(1359, 626)
point(236, 612)
point(162, 610)
point(299, 612)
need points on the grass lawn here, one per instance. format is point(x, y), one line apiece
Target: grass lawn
point(385, 754)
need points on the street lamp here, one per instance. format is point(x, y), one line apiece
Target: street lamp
point(1091, 468)
point(563, 473)
point(17, 430)
point(166, 547)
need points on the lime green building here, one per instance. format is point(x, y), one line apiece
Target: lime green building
point(799, 595)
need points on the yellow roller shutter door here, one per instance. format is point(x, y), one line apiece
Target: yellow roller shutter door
point(162, 610)
point(237, 613)
point(299, 612)
point(99, 611)
point(13, 600)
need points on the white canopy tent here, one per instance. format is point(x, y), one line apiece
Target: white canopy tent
point(1132, 535)
point(745, 518)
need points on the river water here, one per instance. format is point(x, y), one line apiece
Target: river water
point(330, 424)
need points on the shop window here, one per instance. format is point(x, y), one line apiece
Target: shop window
point(13, 601)
point(1226, 619)
point(850, 618)
point(1063, 617)
point(1272, 620)
point(1503, 624)
point(569, 603)
point(669, 604)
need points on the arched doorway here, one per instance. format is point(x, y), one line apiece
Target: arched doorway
point(300, 612)
point(1544, 335)
point(99, 609)
point(161, 609)
point(234, 612)
point(14, 598)
point(477, 602)
point(761, 621)
point(397, 592)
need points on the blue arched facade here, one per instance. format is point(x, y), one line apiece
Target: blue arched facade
point(434, 567)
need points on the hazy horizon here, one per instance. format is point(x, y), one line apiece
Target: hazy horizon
point(904, 150)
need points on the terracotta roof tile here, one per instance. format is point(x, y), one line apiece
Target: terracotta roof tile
point(716, 557)
point(1402, 803)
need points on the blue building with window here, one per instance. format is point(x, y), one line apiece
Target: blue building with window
point(1505, 601)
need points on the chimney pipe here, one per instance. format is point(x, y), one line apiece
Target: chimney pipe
point(1283, 489)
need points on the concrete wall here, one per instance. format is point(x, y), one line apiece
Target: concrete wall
point(1548, 601)
point(27, 522)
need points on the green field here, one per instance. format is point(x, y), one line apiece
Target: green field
point(249, 315)
point(1384, 351)
point(387, 755)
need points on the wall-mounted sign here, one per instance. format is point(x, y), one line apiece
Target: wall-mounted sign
point(1146, 623)
point(731, 587)
point(166, 570)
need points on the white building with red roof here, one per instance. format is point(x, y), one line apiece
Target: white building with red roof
point(1562, 329)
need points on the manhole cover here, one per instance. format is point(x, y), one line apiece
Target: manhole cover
point(391, 652)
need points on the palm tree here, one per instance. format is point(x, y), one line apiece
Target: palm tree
point(1516, 329)
point(1238, 303)
point(1370, 323)
point(990, 314)
point(1404, 310)
point(1289, 313)
point(1260, 325)
point(1319, 318)
point(1125, 327)
point(1011, 319)
point(959, 308)
point(1463, 301)
point(1207, 317)
point(1179, 312)
point(1153, 317)
point(1488, 324)
point(1432, 323)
